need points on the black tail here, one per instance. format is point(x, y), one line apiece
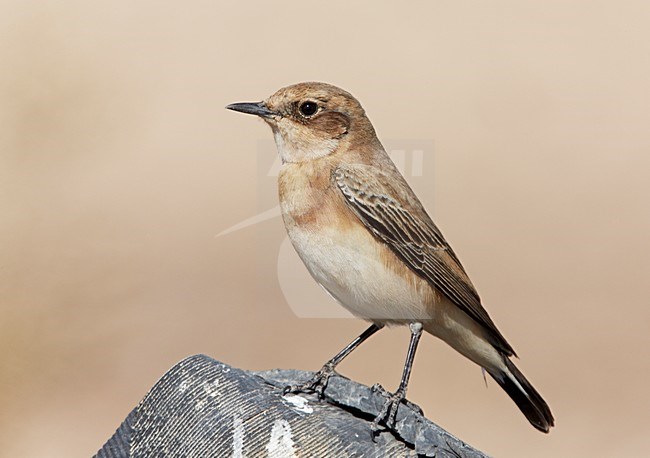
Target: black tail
point(529, 401)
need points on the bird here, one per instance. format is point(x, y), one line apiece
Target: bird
point(366, 238)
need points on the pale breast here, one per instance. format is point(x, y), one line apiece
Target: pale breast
point(364, 275)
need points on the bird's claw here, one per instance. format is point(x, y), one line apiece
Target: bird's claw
point(388, 413)
point(316, 384)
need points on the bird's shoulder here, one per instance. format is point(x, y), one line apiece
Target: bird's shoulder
point(383, 192)
point(376, 183)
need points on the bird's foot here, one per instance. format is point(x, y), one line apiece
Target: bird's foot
point(388, 412)
point(316, 384)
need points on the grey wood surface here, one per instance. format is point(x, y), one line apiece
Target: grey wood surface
point(204, 408)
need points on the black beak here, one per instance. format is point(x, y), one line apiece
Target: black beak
point(254, 108)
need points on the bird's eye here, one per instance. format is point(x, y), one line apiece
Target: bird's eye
point(308, 108)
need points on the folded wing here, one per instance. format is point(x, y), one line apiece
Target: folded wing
point(390, 210)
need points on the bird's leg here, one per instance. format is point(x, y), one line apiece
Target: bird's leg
point(319, 381)
point(388, 412)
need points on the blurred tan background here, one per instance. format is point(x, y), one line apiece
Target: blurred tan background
point(119, 167)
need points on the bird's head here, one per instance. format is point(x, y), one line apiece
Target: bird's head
point(311, 120)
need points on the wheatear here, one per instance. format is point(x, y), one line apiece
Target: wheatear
point(366, 238)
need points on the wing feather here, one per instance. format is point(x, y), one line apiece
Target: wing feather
point(389, 209)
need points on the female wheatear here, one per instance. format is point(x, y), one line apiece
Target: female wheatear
point(366, 238)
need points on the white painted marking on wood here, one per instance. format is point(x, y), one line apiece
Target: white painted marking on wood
point(238, 438)
point(281, 443)
point(299, 403)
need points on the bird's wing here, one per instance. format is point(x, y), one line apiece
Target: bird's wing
point(389, 209)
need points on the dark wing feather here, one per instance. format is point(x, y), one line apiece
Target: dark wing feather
point(389, 209)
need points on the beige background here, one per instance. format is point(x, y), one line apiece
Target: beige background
point(119, 166)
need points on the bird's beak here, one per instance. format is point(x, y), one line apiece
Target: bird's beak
point(254, 108)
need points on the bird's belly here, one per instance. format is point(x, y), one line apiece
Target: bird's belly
point(352, 266)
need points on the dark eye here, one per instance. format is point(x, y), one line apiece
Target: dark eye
point(308, 108)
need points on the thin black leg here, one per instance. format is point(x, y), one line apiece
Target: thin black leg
point(319, 381)
point(416, 333)
point(389, 410)
point(353, 345)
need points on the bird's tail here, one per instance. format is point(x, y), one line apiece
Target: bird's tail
point(528, 400)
